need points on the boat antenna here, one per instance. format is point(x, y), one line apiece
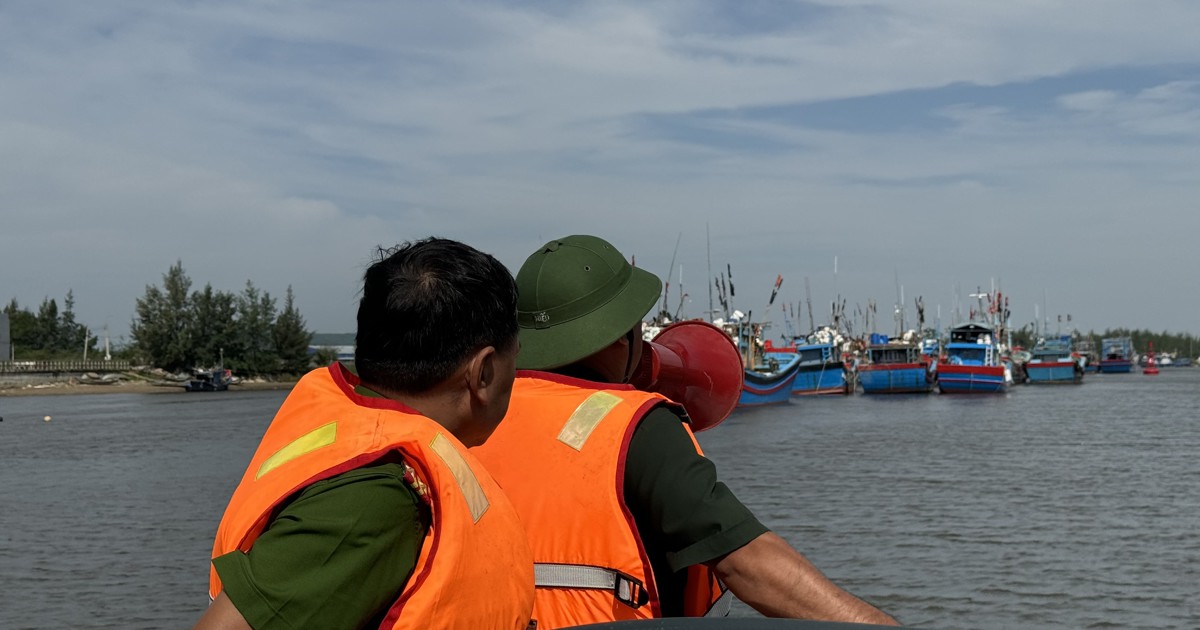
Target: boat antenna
point(835, 285)
point(667, 285)
point(708, 255)
point(682, 296)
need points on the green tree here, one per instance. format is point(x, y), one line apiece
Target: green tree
point(291, 337)
point(255, 352)
point(162, 323)
point(22, 327)
point(72, 335)
point(214, 326)
point(46, 333)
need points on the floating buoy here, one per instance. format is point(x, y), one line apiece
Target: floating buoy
point(46, 419)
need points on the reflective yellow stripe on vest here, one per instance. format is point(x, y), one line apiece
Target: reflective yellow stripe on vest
point(477, 501)
point(586, 418)
point(321, 436)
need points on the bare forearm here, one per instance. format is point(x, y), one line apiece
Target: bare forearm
point(777, 581)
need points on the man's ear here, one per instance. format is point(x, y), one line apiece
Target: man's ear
point(481, 373)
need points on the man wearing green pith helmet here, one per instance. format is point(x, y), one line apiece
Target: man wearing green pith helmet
point(626, 517)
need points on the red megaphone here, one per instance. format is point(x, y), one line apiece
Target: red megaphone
point(696, 365)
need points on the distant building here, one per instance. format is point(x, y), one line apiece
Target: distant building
point(344, 353)
point(342, 344)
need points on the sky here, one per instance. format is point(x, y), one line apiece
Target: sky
point(858, 149)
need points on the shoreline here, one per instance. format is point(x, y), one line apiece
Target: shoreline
point(69, 388)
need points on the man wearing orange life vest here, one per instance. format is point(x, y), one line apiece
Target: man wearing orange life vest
point(626, 517)
point(362, 506)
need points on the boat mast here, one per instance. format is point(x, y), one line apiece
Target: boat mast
point(663, 308)
point(708, 255)
point(812, 324)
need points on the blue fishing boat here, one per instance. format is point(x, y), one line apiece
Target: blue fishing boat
point(1053, 361)
point(1116, 355)
point(770, 379)
point(896, 367)
point(768, 376)
point(821, 370)
point(973, 362)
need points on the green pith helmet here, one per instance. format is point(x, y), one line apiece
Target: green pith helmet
point(575, 296)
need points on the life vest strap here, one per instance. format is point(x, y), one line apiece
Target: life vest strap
point(625, 589)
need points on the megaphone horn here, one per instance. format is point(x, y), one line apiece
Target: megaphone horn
point(695, 364)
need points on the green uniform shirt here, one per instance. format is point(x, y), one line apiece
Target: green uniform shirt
point(685, 516)
point(336, 556)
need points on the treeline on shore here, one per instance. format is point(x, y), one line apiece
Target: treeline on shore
point(1180, 344)
point(177, 329)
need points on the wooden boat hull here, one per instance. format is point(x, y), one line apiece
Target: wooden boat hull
point(821, 380)
point(896, 378)
point(1116, 366)
point(1054, 372)
point(972, 379)
point(765, 387)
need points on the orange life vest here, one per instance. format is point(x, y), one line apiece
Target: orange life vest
point(474, 570)
point(559, 455)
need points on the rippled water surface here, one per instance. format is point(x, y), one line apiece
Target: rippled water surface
point(1051, 506)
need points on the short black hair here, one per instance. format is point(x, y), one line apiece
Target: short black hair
point(428, 305)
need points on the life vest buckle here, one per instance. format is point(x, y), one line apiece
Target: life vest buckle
point(630, 592)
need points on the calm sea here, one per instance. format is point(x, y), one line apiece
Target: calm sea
point(1051, 506)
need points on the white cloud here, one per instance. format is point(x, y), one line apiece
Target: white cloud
point(281, 141)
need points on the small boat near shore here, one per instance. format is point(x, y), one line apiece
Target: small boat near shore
point(209, 381)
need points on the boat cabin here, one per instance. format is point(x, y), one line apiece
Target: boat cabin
point(812, 354)
point(1052, 350)
point(972, 344)
point(894, 354)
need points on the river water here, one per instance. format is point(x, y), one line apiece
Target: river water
point(1071, 506)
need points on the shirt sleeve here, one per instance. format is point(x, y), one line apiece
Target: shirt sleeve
point(336, 556)
point(673, 491)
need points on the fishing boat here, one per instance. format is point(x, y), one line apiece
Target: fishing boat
point(821, 370)
point(973, 362)
point(1053, 361)
point(1116, 355)
point(769, 381)
point(1085, 350)
point(768, 376)
point(896, 366)
point(211, 381)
